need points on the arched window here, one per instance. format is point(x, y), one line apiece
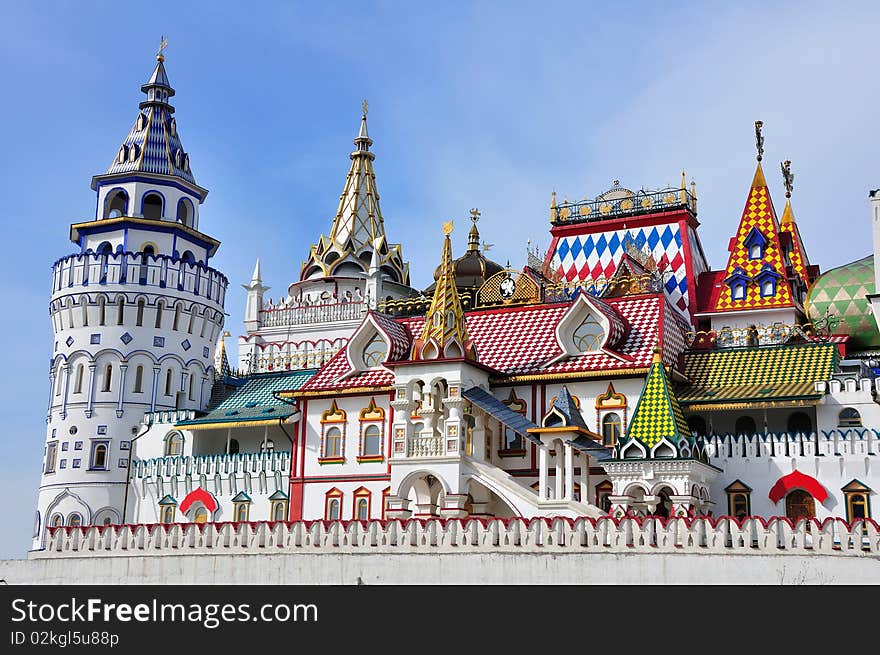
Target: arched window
point(374, 352)
point(611, 428)
point(267, 447)
point(120, 311)
point(140, 313)
point(697, 425)
point(278, 511)
point(116, 203)
point(200, 515)
point(102, 314)
point(849, 417)
point(188, 257)
point(241, 511)
point(168, 381)
point(78, 382)
point(184, 210)
point(588, 335)
point(738, 291)
point(57, 521)
point(74, 520)
point(99, 456)
point(372, 441)
point(233, 447)
point(152, 206)
point(139, 380)
point(168, 514)
point(173, 444)
point(333, 509)
point(159, 307)
point(108, 377)
point(363, 509)
point(176, 320)
point(799, 422)
point(192, 387)
point(768, 288)
point(745, 425)
point(333, 442)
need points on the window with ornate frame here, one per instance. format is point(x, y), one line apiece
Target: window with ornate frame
point(858, 501)
point(278, 506)
point(739, 499)
point(333, 505)
point(99, 460)
point(241, 507)
point(361, 506)
point(371, 434)
point(374, 351)
point(512, 444)
point(74, 520)
point(849, 417)
point(333, 424)
point(611, 415)
point(167, 509)
point(173, 444)
point(588, 335)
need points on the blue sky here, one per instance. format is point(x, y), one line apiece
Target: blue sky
point(481, 104)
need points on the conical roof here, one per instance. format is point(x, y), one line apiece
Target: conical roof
point(153, 144)
point(657, 414)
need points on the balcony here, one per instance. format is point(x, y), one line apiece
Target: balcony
point(305, 314)
point(624, 204)
point(136, 270)
point(425, 447)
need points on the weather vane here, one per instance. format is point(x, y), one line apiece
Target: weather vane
point(447, 228)
point(163, 43)
point(759, 139)
point(787, 177)
point(487, 246)
point(365, 106)
point(475, 214)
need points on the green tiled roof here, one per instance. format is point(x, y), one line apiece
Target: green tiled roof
point(841, 292)
point(728, 375)
point(657, 414)
point(255, 400)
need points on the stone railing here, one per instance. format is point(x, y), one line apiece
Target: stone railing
point(137, 270)
point(424, 447)
point(834, 442)
point(221, 464)
point(723, 535)
point(304, 314)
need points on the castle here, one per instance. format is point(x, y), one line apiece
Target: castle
point(617, 374)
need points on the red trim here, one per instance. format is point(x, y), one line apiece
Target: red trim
point(798, 480)
point(198, 495)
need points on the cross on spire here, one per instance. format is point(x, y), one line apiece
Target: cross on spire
point(759, 139)
point(365, 106)
point(163, 43)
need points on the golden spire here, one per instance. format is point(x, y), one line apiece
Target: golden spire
point(474, 234)
point(444, 334)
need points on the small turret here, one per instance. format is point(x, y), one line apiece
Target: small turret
point(254, 307)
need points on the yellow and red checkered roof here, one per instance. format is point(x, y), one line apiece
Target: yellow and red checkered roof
point(758, 213)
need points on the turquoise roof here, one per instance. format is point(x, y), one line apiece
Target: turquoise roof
point(241, 497)
point(168, 500)
point(278, 495)
point(255, 399)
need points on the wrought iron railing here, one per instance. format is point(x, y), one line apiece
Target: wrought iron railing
point(640, 202)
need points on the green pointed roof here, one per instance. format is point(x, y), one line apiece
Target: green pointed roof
point(657, 414)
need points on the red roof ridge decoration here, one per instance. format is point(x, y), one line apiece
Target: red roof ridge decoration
point(798, 480)
point(198, 495)
point(760, 215)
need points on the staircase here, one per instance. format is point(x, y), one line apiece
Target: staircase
point(523, 499)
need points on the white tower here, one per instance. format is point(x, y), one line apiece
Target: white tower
point(136, 312)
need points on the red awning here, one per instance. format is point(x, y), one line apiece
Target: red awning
point(798, 480)
point(196, 495)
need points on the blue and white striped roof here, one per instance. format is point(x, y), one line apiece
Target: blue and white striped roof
point(153, 144)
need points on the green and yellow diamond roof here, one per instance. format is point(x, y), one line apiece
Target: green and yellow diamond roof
point(657, 414)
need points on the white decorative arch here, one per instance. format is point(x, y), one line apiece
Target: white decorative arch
point(664, 448)
point(633, 445)
point(583, 307)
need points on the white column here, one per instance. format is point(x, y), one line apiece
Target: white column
point(51, 393)
point(542, 472)
point(585, 478)
point(569, 472)
point(91, 398)
point(122, 369)
point(265, 437)
point(66, 390)
point(557, 460)
point(228, 439)
point(156, 371)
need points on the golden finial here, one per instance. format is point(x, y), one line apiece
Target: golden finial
point(364, 107)
point(553, 200)
point(475, 214)
point(759, 139)
point(163, 43)
point(447, 228)
point(693, 188)
point(683, 183)
point(787, 177)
